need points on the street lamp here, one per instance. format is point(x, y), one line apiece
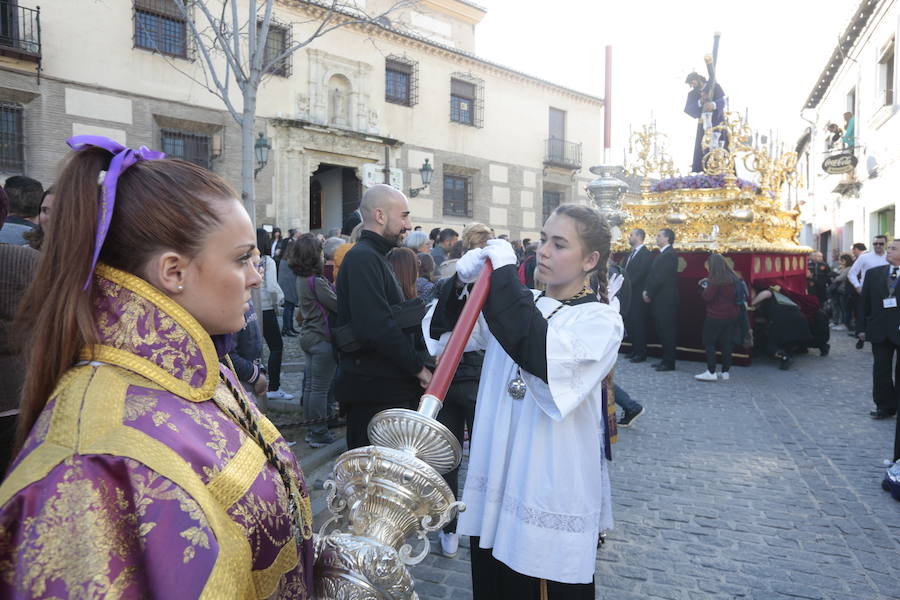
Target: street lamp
point(426, 172)
point(261, 147)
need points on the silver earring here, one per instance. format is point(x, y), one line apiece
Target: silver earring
point(180, 288)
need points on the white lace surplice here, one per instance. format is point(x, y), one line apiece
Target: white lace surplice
point(537, 489)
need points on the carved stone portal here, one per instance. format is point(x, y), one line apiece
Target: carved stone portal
point(338, 93)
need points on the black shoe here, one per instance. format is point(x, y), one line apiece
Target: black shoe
point(823, 351)
point(662, 368)
point(288, 334)
point(628, 418)
point(783, 362)
point(880, 413)
point(638, 359)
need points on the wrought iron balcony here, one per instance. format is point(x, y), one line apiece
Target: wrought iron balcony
point(20, 31)
point(560, 153)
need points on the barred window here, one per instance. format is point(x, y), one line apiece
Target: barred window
point(192, 147)
point(457, 196)
point(466, 100)
point(12, 140)
point(277, 41)
point(401, 80)
point(551, 201)
point(159, 25)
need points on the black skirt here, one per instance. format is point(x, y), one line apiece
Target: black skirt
point(493, 580)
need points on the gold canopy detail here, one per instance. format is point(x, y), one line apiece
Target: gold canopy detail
point(715, 210)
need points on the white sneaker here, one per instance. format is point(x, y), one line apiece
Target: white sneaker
point(724, 376)
point(449, 544)
point(279, 395)
point(705, 376)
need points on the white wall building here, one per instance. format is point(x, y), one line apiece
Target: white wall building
point(505, 146)
point(859, 78)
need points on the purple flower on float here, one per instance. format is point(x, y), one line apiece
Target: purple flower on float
point(700, 182)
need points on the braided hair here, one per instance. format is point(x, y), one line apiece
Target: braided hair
point(595, 237)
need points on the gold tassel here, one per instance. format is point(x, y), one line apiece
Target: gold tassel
point(544, 594)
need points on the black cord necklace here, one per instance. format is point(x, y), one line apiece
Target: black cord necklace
point(247, 421)
point(516, 386)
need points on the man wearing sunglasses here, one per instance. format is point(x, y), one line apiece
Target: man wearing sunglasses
point(866, 261)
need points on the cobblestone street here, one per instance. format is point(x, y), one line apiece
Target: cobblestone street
point(764, 487)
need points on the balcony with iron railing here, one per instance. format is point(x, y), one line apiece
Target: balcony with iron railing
point(20, 32)
point(563, 154)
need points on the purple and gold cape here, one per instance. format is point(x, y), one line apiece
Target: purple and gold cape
point(133, 483)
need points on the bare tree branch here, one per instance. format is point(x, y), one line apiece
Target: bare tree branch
point(209, 63)
point(323, 28)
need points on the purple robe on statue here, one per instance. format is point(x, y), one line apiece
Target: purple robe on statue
point(133, 483)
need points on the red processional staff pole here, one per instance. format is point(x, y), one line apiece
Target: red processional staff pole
point(456, 345)
point(418, 432)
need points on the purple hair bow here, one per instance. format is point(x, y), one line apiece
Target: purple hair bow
point(123, 158)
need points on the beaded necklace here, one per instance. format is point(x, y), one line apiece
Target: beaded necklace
point(247, 421)
point(516, 387)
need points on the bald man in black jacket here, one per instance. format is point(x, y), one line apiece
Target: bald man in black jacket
point(384, 371)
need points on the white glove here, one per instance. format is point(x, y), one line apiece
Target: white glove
point(614, 284)
point(469, 265)
point(501, 253)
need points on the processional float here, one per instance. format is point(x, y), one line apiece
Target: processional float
point(382, 495)
point(744, 219)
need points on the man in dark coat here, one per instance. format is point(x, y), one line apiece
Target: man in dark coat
point(637, 266)
point(699, 102)
point(384, 370)
point(661, 293)
point(879, 323)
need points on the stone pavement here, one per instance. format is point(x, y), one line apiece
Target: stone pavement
point(766, 487)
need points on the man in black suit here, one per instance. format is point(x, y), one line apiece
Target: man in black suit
point(636, 266)
point(879, 323)
point(661, 293)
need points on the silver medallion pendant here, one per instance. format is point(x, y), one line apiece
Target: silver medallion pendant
point(517, 388)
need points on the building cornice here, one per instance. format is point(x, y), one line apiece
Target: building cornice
point(331, 130)
point(851, 34)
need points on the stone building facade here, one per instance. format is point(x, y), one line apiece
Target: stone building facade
point(840, 209)
point(505, 146)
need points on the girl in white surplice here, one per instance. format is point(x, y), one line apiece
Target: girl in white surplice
point(537, 489)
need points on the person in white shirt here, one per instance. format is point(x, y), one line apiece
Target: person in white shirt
point(537, 490)
point(271, 297)
point(866, 261)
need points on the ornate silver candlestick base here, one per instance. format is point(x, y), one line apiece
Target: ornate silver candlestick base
point(380, 496)
point(418, 433)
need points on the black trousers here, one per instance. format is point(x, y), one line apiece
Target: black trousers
point(665, 315)
point(885, 375)
point(718, 333)
point(636, 327)
point(276, 348)
point(493, 580)
point(458, 412)
point(362, 397)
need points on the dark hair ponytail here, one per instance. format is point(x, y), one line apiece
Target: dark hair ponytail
point(160, 205)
